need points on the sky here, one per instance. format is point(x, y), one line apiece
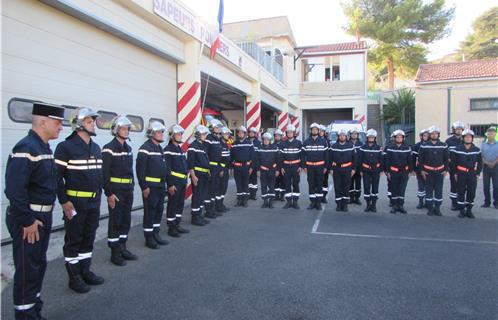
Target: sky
point(320, 21)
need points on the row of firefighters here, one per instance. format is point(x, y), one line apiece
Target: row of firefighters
point(79, 171)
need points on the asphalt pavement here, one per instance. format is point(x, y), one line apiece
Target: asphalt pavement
point(292, 264)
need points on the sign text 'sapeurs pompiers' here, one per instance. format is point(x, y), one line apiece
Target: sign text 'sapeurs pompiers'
point(181, 18)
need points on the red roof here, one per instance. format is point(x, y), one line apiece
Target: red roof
point(475, 69)
point(334, 47)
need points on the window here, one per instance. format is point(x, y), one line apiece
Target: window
point(480, 129)
point(104, 119)
point(156, 119)
point(137, 123)
point(68, 114)
point(483, 103)
point(20, 110)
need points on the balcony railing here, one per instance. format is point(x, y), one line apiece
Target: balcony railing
point(268, 62)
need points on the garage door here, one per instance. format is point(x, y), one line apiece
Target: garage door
point(50, 56)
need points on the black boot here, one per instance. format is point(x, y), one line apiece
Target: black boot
point(462, 213)
point(390, 201)
point(197, 221)
point(88, 276)
point(318, 205)
point(265, 203)
point(338, 207)
point(345, 205)
point(295, 205)
point(223, 206)
point(357, 198)
point(173, 232)
point(252, 194)
point(394, 208)
point(160, 241)
point(239, 201)
point(312, 204)
point(218, 207)
point(368, 207)
point(150, 242)
point(245, 199)
point(420, 203)
point(351, 197)
point(76, 282)
point(180, 229)
point(469, 213)
point(454, 206)
point(288, 204)
point(373, 207)
point(127, 255)
point(117, 256)
point(401, 208)
point(430, 210)
point(437, 211)
point(270, 203)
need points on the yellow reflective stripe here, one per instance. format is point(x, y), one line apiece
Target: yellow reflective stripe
point(152, 179)
point(201, 169)
point(223, 165)
point(179, 175)
point(81, 194)
point(120, 180)
point(213, 163)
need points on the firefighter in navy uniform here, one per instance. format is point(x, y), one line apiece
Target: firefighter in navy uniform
point(433, 163)
point(242, 153)
point(253, 178)
point(291, 163)
point(453, 142)
point(315, 158)
point(198, 165)
point(279, 180)
point(342, 165)
point(117, 170)
point(325, 187)
point(151, 175)
point(266, 162)
point(355, 188)
point(213, 145)
point(397, 166)
point(389, 184)
point(79, 170)
point(226, 165)
point(370, 159)
point(424, 136)
point(176, 181)
point(31, 186)
point(466, 162)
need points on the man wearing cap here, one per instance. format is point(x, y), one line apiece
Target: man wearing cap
point(151, 175)
point(176, 181)
point(213, 146)
point(315, 157)
point(489, 149)
point(266, 162)
point(242, 153)
point(226, 165)
point(79, 170)
point(424, 136)
point(291, 163)
point(117, 170)
point(253, 178)
point(198, 165)
point(279, 181)
point(453, 142)
point(433, 163)
point(466, 161)
point(30, 186)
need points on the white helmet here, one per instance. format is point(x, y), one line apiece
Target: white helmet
point(242, 128)
point(315, 125)
point(323, 128)
point(372, 133)
point(253, 129)
point(200, 130)
point(174, 129)
point(80, 115)
point(354, 129)
point(398, 132)
point(278, 131)
point(215, 123)
point(434, 129)
point(153, 127)
point(467, 131)
point(119, 122)
point(458, 125)
point(267, 135)
point(424, 131)
point(290, 128)
point(342, 131)
point(225, 130)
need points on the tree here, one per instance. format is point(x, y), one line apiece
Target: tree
point(401, 30)
point(482, 42)
point(400, 108)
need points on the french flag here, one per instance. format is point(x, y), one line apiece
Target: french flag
point(216, 44)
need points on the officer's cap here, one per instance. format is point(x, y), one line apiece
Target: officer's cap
point(48, 110)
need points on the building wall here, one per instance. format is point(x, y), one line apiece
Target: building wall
point(431, 104)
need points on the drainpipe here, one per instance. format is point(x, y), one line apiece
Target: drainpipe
point(449, 110)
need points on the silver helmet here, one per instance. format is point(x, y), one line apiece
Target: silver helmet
point(372, 133)
point(315, 125)
point(342, 131)
point(200, 130)
point(119, 122)
point(323, 128)
point(267, 135)
point(174, 129)
point(424, 131)
point(458, 125)
point(279, 132)
point(399, 132)
point(253, 129)
point(80, 115)
point(290, 128)
point(225, 130)
point(153, 127)
point(434, 129)
point(467, 132)
point(242, 128)
point(215, 123)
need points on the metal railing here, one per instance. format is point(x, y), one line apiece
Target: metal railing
point(268, 62)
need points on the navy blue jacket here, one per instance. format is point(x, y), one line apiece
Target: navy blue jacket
point(151, 166)
point(398, 158)
point(267, 158)
point(370, 158)
point(226, 158)
point(30, 177)
point(197, 156)
point(291, 153)
point(315, 151)
point(242, 152)
point(213, 145)
point(433, 156)
point(343, 156)
point(117, 163)
point(465, 160)
point(176, 162)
